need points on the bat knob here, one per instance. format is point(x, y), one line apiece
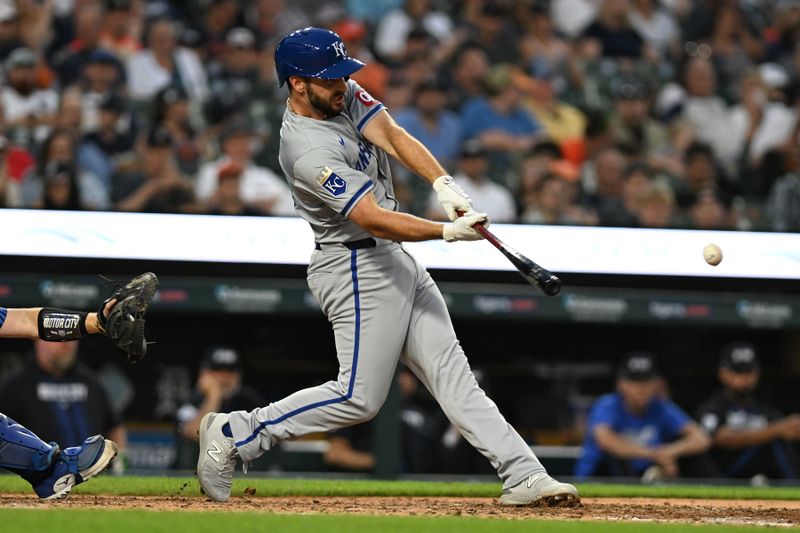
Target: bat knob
point(552, 285)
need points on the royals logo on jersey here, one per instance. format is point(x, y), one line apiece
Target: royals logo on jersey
point(332, 182)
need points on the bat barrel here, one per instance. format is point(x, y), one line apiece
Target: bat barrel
point(550, 284)
point(530, 271)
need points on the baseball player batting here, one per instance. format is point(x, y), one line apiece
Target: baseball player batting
point(52, 471)
point(336, 140)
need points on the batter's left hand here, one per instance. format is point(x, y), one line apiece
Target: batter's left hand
point(462, 228)
point(452, 197)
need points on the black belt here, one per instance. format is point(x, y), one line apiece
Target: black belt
point(369, 242)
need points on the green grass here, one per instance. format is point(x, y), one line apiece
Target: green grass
point(67, 520)
point(187, 486)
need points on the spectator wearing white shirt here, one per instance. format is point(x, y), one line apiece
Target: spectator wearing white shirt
point(488, 196)
point(571, 17)
point(28, 112)
point(393, 30)
point(762, 118)
point(783, 204)
point(163, 63)
point(101, 76)
point(710, 116)
point(12, 34)
point(657, 26)
point(260, 188)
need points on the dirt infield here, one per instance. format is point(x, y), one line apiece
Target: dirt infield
point(733, 512)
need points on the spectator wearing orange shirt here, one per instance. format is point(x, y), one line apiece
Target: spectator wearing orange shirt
point(121, 29)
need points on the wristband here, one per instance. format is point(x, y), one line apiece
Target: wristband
point(61, 324)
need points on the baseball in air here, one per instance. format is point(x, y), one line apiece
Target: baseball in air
point(712, 254)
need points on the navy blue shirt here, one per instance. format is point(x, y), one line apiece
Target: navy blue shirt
point(65, 410)
point(661, 422)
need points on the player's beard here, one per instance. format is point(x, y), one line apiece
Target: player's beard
point(326, 107)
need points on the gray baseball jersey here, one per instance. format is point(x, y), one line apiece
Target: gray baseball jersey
point(330, 166)
point(383, 305)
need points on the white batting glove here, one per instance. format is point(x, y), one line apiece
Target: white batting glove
point(461, 229)
point(451, 196)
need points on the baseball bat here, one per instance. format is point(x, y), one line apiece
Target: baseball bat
point(534, 274)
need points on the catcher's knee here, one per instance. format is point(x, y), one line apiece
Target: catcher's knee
point(61, 324)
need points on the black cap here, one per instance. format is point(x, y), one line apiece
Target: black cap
point(540, 7)
point(222, 358)
point(170, 95)
point(493, 9)
point(418, 33)
point(433, 83)
point(238, 126)
point(160, 138)
point(118, 5)
point(638, 366)
point(473, 148)
point(740, 357)
point(221, 106)
point(112, 102)
point(631, 89)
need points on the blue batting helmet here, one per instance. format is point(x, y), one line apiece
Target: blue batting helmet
point(313, 53)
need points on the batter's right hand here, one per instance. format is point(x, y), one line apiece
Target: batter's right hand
point(461, 229)
point(451, 196)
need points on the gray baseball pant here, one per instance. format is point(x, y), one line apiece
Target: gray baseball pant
point(383, 305)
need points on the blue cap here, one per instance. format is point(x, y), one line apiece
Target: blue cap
point(103, 56)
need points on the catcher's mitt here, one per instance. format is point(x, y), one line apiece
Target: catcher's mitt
point(125, 321)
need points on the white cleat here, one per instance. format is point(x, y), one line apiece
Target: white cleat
point(217, 459)
point(541, 489)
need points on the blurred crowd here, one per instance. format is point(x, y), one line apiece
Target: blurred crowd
point(637, 113)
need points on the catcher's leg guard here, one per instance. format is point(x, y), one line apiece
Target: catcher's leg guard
point(21, 451)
